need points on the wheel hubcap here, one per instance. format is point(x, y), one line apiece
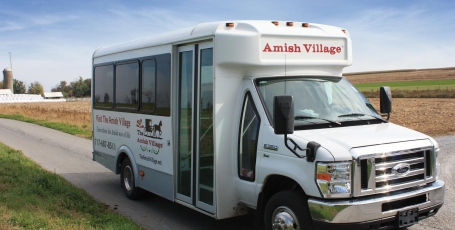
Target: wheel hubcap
point(128, 177)
point(284, 219)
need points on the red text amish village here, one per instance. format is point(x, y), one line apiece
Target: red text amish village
point(315, 48)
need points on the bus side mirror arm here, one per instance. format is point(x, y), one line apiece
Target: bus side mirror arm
point(296, 146)
point(283, 123)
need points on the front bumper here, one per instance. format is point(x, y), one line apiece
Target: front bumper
point(376, 210)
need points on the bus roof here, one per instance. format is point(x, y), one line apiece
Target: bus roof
point(208, 29)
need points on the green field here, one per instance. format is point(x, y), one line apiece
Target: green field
point(410, 85)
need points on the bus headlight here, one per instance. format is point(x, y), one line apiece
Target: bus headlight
point(334, 179)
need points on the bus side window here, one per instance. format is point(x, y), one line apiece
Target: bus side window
point(248, 139)
point(103, 93)
point(126, 85)
point(163, 85)
point(148, 85)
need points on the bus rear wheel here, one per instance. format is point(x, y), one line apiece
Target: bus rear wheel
point(287, 210)
point(127, 181)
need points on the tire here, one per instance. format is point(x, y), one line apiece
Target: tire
point(127, 181)
point(287, 210)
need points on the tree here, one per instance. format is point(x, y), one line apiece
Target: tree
point(18, 87)
point(79, 87)
point(36, 88)
point(63, 88)
point(88, 83)
point(106, 97)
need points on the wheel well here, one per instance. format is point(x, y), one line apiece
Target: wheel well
point(278, 183)
point(273, 185)
point(120, 159)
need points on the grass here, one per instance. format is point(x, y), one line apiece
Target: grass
point(33, 198)
point(411, 89)
point(410, 85)
point(60, 126)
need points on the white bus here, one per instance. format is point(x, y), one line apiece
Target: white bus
point(226, 116)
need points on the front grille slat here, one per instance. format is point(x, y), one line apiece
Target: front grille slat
point(390, 164)
point(364, 174)
point(400, 181)
point(428, 163)
point(393, 177)
point(397, 157)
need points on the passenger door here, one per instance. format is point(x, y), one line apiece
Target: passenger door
point(195, 169)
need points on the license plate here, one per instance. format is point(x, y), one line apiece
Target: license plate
point(408, 217)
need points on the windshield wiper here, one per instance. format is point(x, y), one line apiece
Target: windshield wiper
point(310, 117)
point(360, 115)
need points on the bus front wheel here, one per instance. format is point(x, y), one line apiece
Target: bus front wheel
point(127, 181)
point(287, 210)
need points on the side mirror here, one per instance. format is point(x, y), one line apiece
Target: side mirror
point(386, 100)
point(283, 114)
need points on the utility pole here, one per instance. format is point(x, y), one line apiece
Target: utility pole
point(10, 63)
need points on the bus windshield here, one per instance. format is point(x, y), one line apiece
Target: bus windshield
point(317, 99)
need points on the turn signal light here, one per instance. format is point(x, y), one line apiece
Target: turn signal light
point(275, 23)
point(305, 24)
point(322, 176)
point(289, 23)
point(229, 24)
point(141, 173)
point(344, 31)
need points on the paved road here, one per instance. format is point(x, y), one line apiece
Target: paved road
point(70, 157)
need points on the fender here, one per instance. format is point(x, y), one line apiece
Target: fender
point(124, 149)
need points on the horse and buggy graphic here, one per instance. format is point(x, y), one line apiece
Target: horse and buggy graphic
point(151, 130)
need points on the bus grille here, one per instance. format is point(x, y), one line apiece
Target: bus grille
point(378, 172)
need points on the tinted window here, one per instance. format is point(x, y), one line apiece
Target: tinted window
point(148, 85)
point(163, 85)
point(248, 139)
point(104, 86)
point(126, 85)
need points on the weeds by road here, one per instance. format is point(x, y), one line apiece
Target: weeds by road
point(64, 127)
point(33, 198)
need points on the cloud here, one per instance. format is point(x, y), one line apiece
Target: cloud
point(7, 25)
point(411, 38)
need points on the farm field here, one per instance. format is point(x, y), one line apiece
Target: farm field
point(432, 116)
point(401, 76)
point(423, 83)
point(73, 113)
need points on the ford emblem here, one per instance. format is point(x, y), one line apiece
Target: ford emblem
point(401, 169)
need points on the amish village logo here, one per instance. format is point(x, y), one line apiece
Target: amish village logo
point(152, 131)
point(149, 129)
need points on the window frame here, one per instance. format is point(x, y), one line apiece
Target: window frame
point(245, 98)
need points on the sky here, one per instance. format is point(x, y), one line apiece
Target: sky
point(54, 40)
